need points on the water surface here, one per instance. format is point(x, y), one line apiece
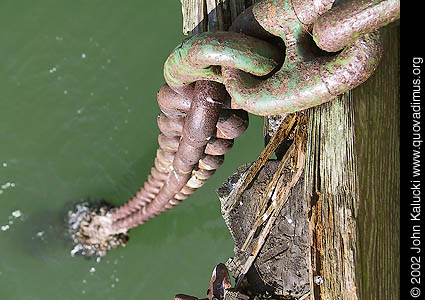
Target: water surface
point(78, 81)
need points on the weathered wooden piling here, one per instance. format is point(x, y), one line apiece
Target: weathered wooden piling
point(351, 191)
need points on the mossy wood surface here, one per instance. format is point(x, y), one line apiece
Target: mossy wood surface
point(377, 135)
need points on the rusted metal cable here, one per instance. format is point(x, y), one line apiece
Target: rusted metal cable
point(195, 136)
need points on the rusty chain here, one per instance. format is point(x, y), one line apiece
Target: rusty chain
point(272, 61)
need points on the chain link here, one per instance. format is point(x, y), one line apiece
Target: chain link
point(305, 79)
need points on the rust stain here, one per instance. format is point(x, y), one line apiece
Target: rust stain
point(317, 251)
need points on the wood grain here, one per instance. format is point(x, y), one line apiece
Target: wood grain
point(377, 132)
point(331, 186)
point(353, 178)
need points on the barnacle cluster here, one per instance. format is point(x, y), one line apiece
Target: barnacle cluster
point(92, 231)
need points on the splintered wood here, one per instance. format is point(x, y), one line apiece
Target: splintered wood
point(282, 133)
point(277, 192)
point(269, 218)
point(273, 212)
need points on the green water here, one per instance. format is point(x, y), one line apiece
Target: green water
point(78, 81)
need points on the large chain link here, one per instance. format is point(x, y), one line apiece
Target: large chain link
point(239, 59)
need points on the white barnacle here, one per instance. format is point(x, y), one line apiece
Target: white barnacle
point(318, 280)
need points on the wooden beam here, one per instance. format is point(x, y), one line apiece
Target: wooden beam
point(352, 180)
point(377, 136)
point(332, 189)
